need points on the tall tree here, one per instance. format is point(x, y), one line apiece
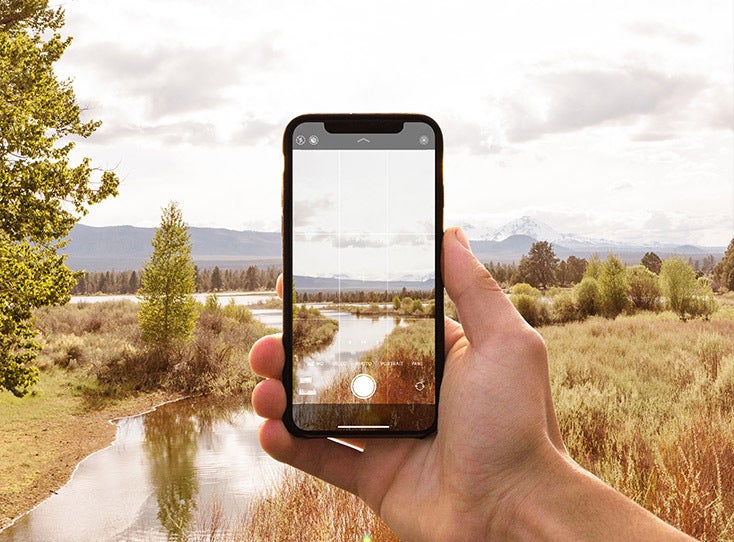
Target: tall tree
point(575, 268)
point(43, 193)
point(724, 270)
point(613, 287)
point(686, 295)
point(216, 280)
point(538, 268)
point(652, 261)
point(167, 307)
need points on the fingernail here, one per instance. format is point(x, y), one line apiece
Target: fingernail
point(461, 236)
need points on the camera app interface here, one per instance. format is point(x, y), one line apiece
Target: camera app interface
point(364, 266)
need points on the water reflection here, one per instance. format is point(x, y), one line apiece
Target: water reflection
point(171, 446)
point(159, 478)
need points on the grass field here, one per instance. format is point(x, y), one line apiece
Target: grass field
point(645, 402)
point(94, 368)
point(45, 435)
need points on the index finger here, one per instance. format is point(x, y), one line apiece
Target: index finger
point(267, 356)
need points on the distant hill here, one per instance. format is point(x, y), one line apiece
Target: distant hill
point(326, 284)
point(127, 247)
point(513, 240)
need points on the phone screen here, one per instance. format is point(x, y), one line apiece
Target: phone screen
point(364, 317)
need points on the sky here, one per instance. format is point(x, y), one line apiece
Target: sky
point(378, 224)
point(611, 120)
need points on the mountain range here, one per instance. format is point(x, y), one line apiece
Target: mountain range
point(513, 240)
point(127, 247)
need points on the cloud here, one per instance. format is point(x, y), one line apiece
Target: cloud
point(308, 209)
point(174, 133)
point(573, 100)
point(254, 131)
point(657, 30)
point(176, 79)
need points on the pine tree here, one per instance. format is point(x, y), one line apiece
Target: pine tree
point(167, 310)
point(613, 287)
point(42, 195)
point(539, 267)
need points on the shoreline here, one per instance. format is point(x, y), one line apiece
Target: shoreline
point(99, 430)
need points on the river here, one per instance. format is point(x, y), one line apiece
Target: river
point(167, 470)
point(165, 473)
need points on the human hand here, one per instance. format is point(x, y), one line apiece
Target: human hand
point(496, 466)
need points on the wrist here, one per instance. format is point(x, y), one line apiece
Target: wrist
point(523, 505)
point(559, 500)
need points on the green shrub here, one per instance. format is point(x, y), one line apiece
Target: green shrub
point(587, 297)
point(613, 287)
point(523, 288)
point(535, 311)
point(564, 309)
point(644, 288)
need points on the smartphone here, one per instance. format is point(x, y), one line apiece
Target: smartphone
point(362, 296)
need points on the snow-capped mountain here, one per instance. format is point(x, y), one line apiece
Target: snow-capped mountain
point(543, 232)
point(510, 242)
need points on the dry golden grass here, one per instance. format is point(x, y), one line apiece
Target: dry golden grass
point(647, 404)
point(305, 508)
point(639, 405)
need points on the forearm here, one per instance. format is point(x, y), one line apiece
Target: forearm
point(566, 502)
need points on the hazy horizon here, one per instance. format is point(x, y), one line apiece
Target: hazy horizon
point(613, 122)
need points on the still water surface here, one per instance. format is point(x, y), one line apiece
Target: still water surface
point(159, 478)
point(167, 468)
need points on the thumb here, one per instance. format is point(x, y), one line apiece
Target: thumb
point(484, 310)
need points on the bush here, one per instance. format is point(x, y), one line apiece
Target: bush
point(587, 297)
point(523, 288)
point(644, 288)
point(564, 309)
point(613, 287)
point(535, 311)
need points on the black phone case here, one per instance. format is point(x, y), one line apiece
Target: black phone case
point(355, 123)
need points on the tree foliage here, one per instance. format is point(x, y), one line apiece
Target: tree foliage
point(685, 295)
point(538, 268)
point(644, 288)
point(588, 299)
point(724, 270)
point(652, 262)
point(167, 306)
point(42, 192)
point(613, 287)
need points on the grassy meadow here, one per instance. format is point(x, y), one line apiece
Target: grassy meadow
point(645, 402)
point(94, 367)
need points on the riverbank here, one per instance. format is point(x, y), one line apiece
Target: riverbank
point(46, 435)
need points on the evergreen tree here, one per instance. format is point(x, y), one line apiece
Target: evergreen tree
point(613, 287)
point(575, 268)
point(167, 307)
point(216, 280)
point(252, 279)
point(652, 261)
point(42, 196)
point(724, 270)
point(538, 268)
